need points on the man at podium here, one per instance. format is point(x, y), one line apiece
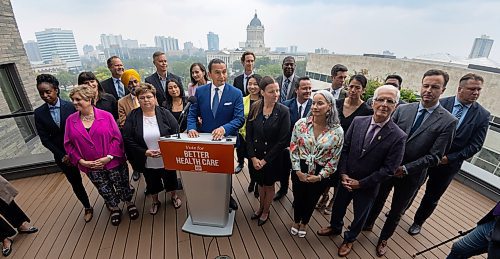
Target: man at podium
point(220, 107)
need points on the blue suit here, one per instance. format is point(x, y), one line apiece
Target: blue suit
point(229, 112)
point(294, 110)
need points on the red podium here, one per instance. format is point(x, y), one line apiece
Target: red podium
point(205, 167)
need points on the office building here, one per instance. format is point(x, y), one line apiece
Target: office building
point(56, 42)
point(166, 44)
point(213, 41)
point(481, 48)
point(32, 51)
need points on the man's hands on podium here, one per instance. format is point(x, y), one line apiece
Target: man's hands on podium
point(217, 134)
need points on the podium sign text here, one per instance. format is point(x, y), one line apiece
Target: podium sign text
point(198, 157)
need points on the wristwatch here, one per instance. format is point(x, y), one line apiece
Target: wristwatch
point(110, 157)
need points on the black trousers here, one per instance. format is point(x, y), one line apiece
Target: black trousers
point(439, 178)
point(6, 230)
point(404, 189)
point(241, 150)
point(362, 203)
point(305, 196)
point(13, 214)
point(284, 174)
point(74, 177)
point(160, 179)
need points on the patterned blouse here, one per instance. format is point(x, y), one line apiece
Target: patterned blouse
point(325, 151)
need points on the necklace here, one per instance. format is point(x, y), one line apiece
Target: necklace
point(87, 117)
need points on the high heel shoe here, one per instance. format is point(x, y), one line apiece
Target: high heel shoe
point(262, 222)
point(255, 216)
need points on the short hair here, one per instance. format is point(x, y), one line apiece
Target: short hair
point(360, 78)
point(470, 76)
point(304, 78)
point(157, 54)
point(338, 68)
point(387, 87)
point(245, 54)
point(49, 79)
point(144, 88)
point(84, 91)
point(110, 60)
point(289, 57)
point(87, 76)
point(397, 77)
point(437, 72)
point(202, 68)
point(215, 61)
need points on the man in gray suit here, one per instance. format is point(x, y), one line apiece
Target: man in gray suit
point(288, 81)
point(159, 78)
point(339, 74)
point(430, 129)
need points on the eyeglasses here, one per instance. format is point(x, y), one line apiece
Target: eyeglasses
point(144, 97)
point(382, 101)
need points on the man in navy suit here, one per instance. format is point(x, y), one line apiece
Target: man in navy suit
point(50, 121)
point(241, 81)
point(299, 107)
point(114, 85)
point(220, 107)
point(161, 76)
point(379, 143)
point(289, 80)
point(473, 121)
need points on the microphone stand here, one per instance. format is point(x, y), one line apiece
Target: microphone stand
point(183, 116)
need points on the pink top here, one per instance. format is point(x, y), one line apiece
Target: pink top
point(104, 138)
point(191, 89)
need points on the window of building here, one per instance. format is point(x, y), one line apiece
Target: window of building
point(14, 101)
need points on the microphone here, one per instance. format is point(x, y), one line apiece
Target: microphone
point(182, 116)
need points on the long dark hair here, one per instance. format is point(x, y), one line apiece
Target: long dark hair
point(87, 76)
point(202, 68)
point(169, 100)
point(257, 106)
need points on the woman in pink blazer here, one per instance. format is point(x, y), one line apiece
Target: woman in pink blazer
point(94, 143)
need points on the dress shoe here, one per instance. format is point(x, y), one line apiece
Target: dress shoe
point(255, 215)
point(279, 195)
point(381, 248)
point(232, 204)
point(345, 249)
point(238, 168)
point(136, 176)
point(262, 221)
point(414, 229)
point(329, 231)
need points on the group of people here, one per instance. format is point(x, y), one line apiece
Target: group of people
point(331, 138)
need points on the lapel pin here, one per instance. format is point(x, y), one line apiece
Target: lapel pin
point(379, 137)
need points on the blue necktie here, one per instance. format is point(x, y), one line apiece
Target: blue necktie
point(418, 122)
point(120, 91)
point(215, 101)
point(284, 90)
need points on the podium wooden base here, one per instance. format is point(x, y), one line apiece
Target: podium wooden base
point(209, 230)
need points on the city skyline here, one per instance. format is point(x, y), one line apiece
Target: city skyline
point(406, 29)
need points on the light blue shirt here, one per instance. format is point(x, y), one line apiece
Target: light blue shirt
point(456, 107)
point(55, 112)
point(429, 112)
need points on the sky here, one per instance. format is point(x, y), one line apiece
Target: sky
point(407, 28)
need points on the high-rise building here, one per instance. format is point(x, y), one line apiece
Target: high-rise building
point(482, 47)
point(131, 44)
point(293, 49)
point(110, 40)
point(166, 44)
point(32, 51)
point(55, 42)
point(213, 41)
point(87, 49)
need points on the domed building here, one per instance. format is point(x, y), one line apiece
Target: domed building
point(255, 36)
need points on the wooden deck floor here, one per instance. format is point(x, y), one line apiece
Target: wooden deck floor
point(50, 203)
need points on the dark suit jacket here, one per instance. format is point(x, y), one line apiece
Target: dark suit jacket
point(379, 161)
point(266, 140)
point(238, 83)
point(229, 113)
point(430, 142)
point(470, 135)
point(133, 134)
point(52, 136)
point(161, 94)
point(294, 110)
point(291, 88)
point(109, 87)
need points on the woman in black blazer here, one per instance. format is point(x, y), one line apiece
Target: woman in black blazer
point(267, 129)
point(103, 100)
point(143, 128)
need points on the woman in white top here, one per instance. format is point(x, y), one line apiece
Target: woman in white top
point(143, 128)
